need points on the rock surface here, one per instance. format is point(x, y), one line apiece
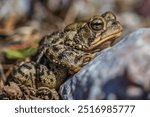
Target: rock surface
point(119, 72)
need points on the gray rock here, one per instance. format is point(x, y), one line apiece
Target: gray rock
point(119, 72)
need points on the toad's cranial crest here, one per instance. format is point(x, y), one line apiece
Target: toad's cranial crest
point(64, 53)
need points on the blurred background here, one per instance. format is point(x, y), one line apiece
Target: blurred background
point(24, 22)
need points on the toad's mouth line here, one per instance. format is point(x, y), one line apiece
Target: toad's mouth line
point(103, 40)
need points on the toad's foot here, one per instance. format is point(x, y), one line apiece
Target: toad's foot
point(47, 93)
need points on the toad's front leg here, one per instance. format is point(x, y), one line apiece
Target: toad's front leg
point(72, 60)
point(80, 62)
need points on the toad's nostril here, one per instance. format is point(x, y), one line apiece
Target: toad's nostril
point(115, 22)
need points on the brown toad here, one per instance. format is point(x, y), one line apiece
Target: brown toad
point(64, 53)
point(79, 42)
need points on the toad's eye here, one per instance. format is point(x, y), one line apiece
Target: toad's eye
point(97, 24)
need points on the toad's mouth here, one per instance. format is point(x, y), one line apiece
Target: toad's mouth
point(109, 35)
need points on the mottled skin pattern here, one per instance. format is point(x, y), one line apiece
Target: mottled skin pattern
point(64, 53)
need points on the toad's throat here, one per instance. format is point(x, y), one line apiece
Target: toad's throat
point(102, 39)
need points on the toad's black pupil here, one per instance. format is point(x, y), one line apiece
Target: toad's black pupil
point(98, 23)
